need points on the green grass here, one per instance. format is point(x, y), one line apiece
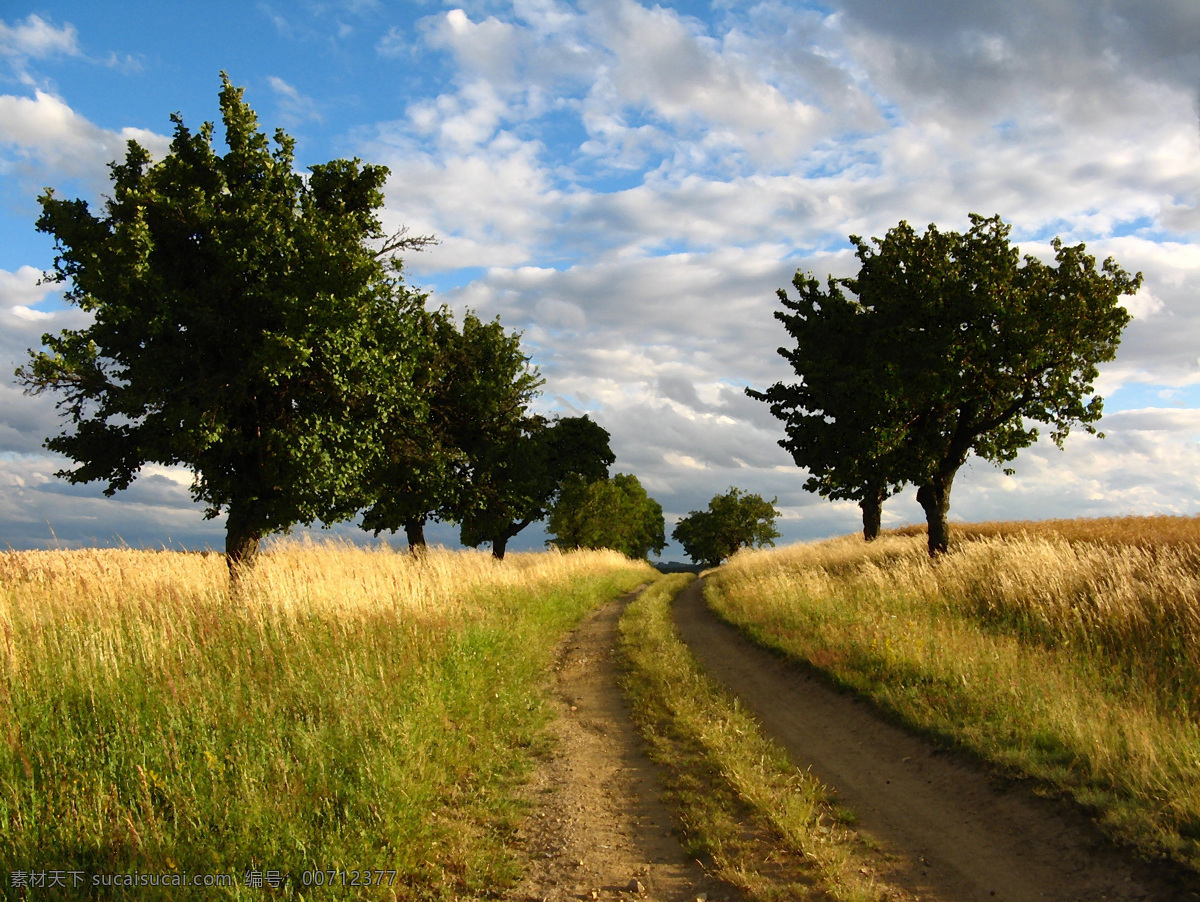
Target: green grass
point(202, 735)
point(764, 825)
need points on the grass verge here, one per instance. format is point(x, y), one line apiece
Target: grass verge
point(1075, 661)
point(766, 826)
point(354, 716)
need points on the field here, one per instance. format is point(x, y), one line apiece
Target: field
point(351, 717)
point(1063, 651)
point(363, 718)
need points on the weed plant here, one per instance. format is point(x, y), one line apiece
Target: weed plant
point(1071, 657)
point(350, 710)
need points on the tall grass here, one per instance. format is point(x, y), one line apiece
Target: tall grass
point(1072, 659)
point(1151, 531)
point(350, 709)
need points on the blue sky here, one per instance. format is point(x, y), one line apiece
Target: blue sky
point(629, 183)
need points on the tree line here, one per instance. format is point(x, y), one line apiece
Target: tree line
point(253, 324)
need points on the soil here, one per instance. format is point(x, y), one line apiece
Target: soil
point(599, 829)
point(947, 830)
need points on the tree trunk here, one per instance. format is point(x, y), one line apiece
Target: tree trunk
point(498, 546)
point(872, 514)
point(414, 531)
point(242, 537)
point(934, 497)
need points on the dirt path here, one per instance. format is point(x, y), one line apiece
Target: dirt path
point(964, 838)
point(599, 829)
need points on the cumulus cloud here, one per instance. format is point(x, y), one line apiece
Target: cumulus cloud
point(490, 206)
point(1081, 63)
point(42, 134)
point(661, 65)
point(25, 315)
point(41, 510)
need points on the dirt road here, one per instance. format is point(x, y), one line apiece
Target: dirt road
point(965, 838)
point(599, 829)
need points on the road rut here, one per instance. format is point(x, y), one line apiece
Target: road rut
point(600, 829)
point(963, 837)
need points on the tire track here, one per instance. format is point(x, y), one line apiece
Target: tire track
point(599, 829)
point(962, 837)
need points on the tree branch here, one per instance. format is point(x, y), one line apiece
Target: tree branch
point(402, 241)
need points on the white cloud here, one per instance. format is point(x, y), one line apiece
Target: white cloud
point(661, 64)
point(295, 107)
point(35, 38)
point(490, 205)
point(22, 288)
point(393, 43)
point(24, 420)
point(488, 48)
point(41, 510)
point(43, 134)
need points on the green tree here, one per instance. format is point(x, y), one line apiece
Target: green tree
point(981, 345)
point(960, 346)
point(243, 326)
point(476, 386)
point(517, 473)
point(607, 513)
point(842, 424)
point(734, 520)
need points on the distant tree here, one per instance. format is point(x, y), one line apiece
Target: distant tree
point(734, 520)
point(607, 513)
point(842, 423)
point(243, 326)
point(517, 474)
point(977, 345)
point(476, 385)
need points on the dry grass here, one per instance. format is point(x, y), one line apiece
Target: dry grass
point(349, 708)
point(1068, 650)
point(1151, 532)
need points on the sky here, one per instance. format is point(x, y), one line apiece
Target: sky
point(629, 184)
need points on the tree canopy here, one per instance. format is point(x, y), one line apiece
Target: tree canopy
point(607, 513)
point(516, 474)
point(841, 422)
point(476, 385)
point(963, 347)
point(732, 521)
point(246, 324)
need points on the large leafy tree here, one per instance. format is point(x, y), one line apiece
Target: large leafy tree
point(965, 347)
point(476, 385)
point(732, 521)
point(516, 474)
point(607, 513)
point(981, 345)
point(245, 324)
point(842, 423)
